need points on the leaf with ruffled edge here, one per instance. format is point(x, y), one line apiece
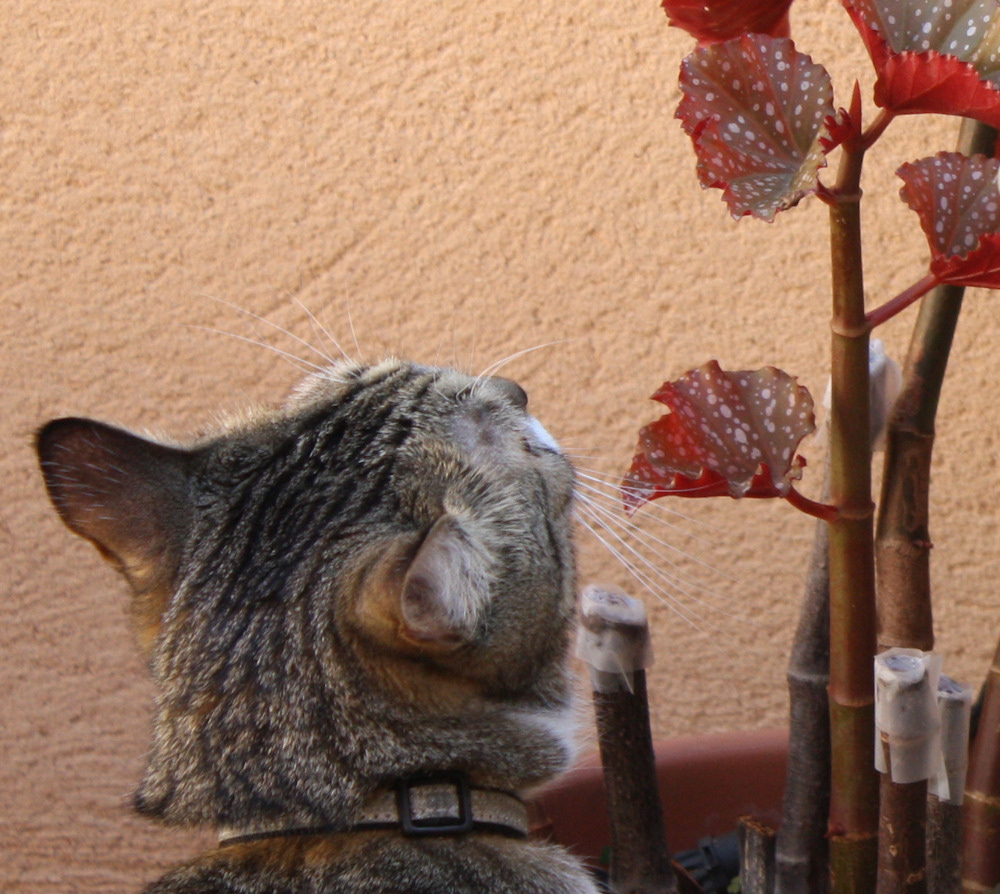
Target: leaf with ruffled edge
point(958, 203)
point(941, 56)
point(710, 22)
point(755, 109)
point(728, 433)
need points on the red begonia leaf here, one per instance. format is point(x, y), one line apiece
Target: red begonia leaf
point(710, 21)
point(958, 202)
point(939, 57)
point(728, 433)
point(755, 109)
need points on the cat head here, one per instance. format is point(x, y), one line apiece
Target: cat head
point(376, 579)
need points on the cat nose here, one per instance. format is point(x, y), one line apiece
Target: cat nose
point(512, 391)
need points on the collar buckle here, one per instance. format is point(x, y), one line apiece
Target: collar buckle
point(438, 804)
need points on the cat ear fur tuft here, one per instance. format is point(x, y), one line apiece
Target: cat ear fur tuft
point(125, 494)
point(447, 586)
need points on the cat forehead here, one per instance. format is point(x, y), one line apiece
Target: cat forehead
point(329, 384)
point(334, 382)
point(483, 418)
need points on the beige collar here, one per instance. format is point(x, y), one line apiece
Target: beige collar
point(442, 804)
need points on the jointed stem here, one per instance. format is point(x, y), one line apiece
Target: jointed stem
point(903, 550)
point(854, 789)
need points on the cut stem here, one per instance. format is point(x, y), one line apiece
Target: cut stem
point(908, 720)
point(756, 857)
point(614, 641)
point(944, 809)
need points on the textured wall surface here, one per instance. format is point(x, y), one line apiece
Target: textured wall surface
point(454, 182)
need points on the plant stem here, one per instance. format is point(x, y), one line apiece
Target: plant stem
point(822, 511)
point(801, 852)
point(640, 862)
point(756, 857)
point(854, 786)
point(903, 544)
point(944, 846)
point(877, 127)
point(903, 541)
point(902, 849)
point(902, 301)
point(981, 809)
point(903, 550)
point(616, 634)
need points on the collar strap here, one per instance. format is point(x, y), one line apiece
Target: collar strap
point(442, 804)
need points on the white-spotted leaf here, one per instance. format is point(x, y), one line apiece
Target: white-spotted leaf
point(728, 433)
point(958, 202)
point(725, 19)
point(755, 109)
point(939, 56)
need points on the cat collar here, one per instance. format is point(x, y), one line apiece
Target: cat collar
point(442, 804)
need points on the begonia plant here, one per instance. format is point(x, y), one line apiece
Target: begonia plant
point(764, 125)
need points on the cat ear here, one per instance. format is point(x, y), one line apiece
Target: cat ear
point(447, 586)
point(125, 494)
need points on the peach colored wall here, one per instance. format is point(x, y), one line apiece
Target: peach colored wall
point(460, 182)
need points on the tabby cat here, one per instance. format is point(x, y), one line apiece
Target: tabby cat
point(357, 612)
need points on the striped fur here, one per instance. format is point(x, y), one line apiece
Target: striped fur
point(376, 580)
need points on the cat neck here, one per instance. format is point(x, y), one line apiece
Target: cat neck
point(440, 804)
point(326, 775)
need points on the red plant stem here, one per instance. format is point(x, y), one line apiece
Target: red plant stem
point(822, 511)
point(877, 128)
point(854, 815)
point(902, 301)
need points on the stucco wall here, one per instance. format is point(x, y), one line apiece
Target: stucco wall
point(450, 181)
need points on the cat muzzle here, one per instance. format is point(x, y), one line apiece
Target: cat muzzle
point(442, 804)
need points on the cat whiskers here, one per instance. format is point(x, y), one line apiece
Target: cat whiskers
point(494, 368)
point(608, 487)
point(646, 580)
point(354, 335)
point(299, 361)
point(654, 563)
point(611, 484)
point(498, 365)
point(316, 324)
point(302, 365)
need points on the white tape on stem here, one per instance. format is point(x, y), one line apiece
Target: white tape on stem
point(613, 638)
point(955, 708)
point(907, 721)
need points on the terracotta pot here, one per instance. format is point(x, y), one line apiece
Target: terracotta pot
point(706, 784)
